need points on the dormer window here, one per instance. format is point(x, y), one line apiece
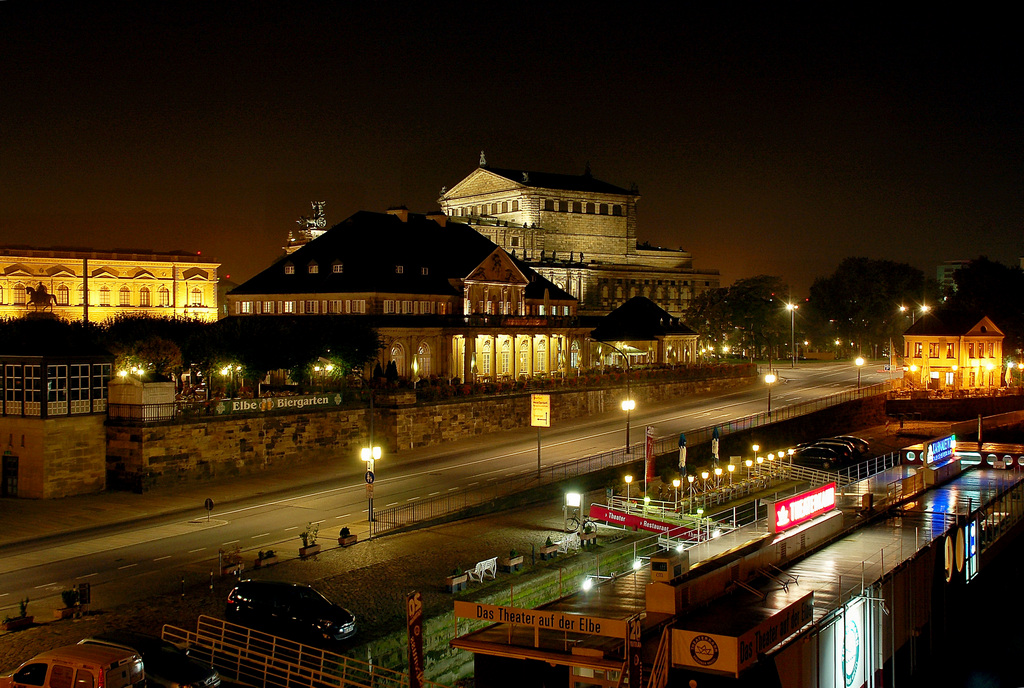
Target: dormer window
point(424, 271)
point(314, 268)
point(289, 269)
point(338, 268)
point(399, 269)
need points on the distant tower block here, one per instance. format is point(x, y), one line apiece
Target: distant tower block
point(309, 227)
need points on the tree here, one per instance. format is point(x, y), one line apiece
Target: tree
point(748, 317)
point(987, 287)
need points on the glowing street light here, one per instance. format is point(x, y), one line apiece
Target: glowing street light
point(629, 479)
point(675, 484)
point(370, 455)
point(860, 363)
point(768, 380)
point(791, 307)
point(627, 406)
point(732, 469)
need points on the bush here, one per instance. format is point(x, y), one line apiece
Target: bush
point(69, 597)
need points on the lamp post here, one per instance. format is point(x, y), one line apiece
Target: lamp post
point(675, 484)
point(750, 465)
point(369, 455)
point(760, 461)
point(732, 469)
point(718, 476)
point(627, 406)
point(791, 307)
point(704, 490)
point(860, 363)
point(690, 479)
point(629, 479)
point(768, 380)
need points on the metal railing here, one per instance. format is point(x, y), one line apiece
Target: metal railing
point(440, 506)
point(261, 659)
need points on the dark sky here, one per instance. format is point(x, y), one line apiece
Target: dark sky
point(773, 141)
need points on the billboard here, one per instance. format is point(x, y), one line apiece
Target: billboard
point(793, 511)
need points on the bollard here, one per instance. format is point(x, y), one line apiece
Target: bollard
point(211, 580)
point(183, 586)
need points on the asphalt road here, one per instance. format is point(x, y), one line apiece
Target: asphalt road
point(131, 560)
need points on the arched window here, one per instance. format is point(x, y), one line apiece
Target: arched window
point(504, 206)
point(524, 357)
point(63, 295)
point(574, 355)
point(423, 362)
point(618, 292)
point(19, 294)
point(398, 356)
point(506, 357)
point(197, 297)
point(515, 206)
point(81, 294)
point(105, 296)
point(542, 356)
point(485, 358)
point(124, 296)
point(144, 297)
point(165, 296)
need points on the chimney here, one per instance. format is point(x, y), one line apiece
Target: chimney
point(439, 217)
point(401, 212)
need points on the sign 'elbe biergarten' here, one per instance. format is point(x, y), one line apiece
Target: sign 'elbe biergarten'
point(262, 405)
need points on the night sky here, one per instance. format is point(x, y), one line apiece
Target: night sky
point(763, 141)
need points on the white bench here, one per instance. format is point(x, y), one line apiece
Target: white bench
point(570, 542)
point(483, 569)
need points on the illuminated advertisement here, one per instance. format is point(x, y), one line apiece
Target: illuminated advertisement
point(850, 646)
point(619, 518)
point(791, 512)
point(940, 449)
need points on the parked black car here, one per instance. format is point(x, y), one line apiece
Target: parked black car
point(862, 445)
point(166, 665)
point(816, 456)
point(290, 610)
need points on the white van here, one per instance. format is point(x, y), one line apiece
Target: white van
point(80, 666)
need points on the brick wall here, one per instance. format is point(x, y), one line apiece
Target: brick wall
point(57, 457)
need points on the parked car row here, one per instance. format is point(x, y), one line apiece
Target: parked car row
point(114, 660)
point(831, 452)
point(290, 610)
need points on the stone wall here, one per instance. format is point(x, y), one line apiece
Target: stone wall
point(139, 457)
point(954, 409)
point(57, 457)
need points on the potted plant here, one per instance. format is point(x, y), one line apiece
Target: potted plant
point(458, 580)
point(266, 558)
point(308, 537)
point(346, 538)
point(512, 563)
point(23, 620)
point(231, 561)
point(549, 550)
point(71, 607)
point(589, 535)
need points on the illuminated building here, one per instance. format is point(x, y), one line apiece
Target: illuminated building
point(580, 233)
point(953, 351)
point(169, 284)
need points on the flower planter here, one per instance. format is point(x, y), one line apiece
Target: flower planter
point(308, 551)
point(587, 539)
point(348, 540)
point(456, 583)
point(266, 561)
point(70, 612)
point(548, 552)
point(231, 569)
point(510, 564)
point(18, 623)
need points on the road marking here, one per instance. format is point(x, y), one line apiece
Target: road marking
point(292, 528)
point(316, 523)
point(229, 542)
point(391, 504)
point(89, 575)
point(260, 535)
point(45, 585)
point(433, 494)
point(343, 516)
point(126, 566)
point(412, 499)
point(162, 558)
point(197, 549)
point(452, 488)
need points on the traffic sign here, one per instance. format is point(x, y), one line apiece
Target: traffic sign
point(369, 477)
point(540, 410)
point(369, 490)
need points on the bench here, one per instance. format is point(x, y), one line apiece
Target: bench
point(483, 569)
point(571, 541)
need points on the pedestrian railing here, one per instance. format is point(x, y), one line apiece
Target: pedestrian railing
point(480, 496)
point(260, 659)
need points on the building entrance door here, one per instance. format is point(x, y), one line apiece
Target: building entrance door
point(9, 476)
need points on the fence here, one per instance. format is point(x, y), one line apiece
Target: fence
point(441, 506)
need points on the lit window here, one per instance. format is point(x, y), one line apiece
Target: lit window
point(165, 296)
point(268, 306)
point(399, 269)
point(424, 271)
point(289, 269)
point(63, 296)
point(289, 306)
point(144, 297)
point(105, 296)
point(339, 268)
point(314, 268)
point(197, 297)
point(124, 297)
point(246, 307)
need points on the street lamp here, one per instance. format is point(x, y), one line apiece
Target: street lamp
point(627, 406)
point(690, 479)
point(629, 479)
point(718, 476)
point(732, 469)
point(750, 465)
point(769, 379)
point(859, 362)
point(369, 455)
point(675, 484)
point(791, 307)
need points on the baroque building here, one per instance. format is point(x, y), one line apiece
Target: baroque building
point(83, 284)
point(446, 300)
point(580, 233)
point(958, 352)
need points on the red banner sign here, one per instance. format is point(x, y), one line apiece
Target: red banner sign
point(414, 627)
point(649, 453)
point(791, 512)
point(619, 518)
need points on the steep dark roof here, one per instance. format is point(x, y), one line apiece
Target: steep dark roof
point(564, 182)
point(944, 324)
point(639, 319)
point(370, 245)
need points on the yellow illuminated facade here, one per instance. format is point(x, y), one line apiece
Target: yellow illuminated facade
point(79, 284)
point(953, 352)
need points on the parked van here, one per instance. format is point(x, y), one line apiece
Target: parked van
point(80, 666)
